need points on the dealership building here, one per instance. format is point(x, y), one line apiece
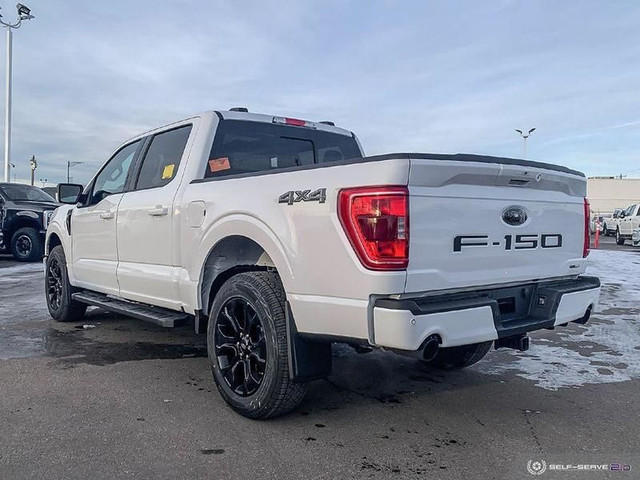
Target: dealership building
point(608, 193)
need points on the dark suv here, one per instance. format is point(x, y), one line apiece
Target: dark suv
point(24, 215)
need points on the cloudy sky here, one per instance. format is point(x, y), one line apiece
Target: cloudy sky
point(428, 76)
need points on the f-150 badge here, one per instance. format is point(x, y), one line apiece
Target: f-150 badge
point(296, 196)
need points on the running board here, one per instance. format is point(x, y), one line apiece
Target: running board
point(160, 316)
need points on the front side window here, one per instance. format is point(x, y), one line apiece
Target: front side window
point(244, 146)
point(161, 162)
point(113, 177)
point(629, 211)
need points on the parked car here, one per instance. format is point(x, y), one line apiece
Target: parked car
point(613, 224)
point(610, 223)
point(627, 222)
point(24, 215)
point(279, 238)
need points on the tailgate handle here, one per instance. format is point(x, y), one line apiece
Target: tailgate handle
point(519, 181)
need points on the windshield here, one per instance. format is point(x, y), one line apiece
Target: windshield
point(25, 193)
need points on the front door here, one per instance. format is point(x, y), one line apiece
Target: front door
point(148, 266)
point(629, 220)
point(93, 225)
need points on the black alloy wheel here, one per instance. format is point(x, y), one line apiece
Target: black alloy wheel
point(240, 346)
point(248, 346)
point(23, 245)
point(58, 291)
point(55, 287)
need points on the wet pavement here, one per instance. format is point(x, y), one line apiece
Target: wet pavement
point(112, 397)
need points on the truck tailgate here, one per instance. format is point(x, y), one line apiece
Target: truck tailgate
point(468, 225)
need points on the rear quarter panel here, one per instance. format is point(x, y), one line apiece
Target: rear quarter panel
point(305, 240)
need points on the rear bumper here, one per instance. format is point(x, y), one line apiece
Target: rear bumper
point(472, 317)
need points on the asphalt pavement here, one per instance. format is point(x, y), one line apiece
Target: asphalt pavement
point(114, 398)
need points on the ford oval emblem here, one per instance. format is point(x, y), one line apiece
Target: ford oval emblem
point(514, 216)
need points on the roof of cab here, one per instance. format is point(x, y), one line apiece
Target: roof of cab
point(248, 116)
point(261, 117)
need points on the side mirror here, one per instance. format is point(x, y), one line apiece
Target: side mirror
point(621, 215)
point(69, 193)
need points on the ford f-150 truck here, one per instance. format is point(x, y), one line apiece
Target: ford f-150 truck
point(24, 215)
point(626, 222)
point(279, 237)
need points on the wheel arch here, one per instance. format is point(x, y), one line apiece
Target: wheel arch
point(53, 241)
point(229, 256)
point(56, 236)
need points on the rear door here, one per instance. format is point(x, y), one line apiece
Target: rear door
point(480, 223)
point(148, 267)
point(93, 225)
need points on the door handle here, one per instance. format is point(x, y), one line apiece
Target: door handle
point(159, 211)
point(108, 215)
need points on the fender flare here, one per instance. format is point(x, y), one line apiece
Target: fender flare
point(243, 225)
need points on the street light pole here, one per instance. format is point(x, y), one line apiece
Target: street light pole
point(7, 109)
point(69, 165)
point(524, 139)
point(33, 164)
point(24, 13)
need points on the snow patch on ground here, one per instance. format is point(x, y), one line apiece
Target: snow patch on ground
point(606, 350)
point(13, 273)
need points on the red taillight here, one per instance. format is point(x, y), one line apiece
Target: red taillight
point(587, 236)
point(376, 221)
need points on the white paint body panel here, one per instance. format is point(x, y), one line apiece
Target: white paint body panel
point(402, 330)
point(630, 222)
point(572, 305)
point(160, 260)
point(94, 255)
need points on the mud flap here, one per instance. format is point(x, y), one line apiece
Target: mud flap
point(308, 359)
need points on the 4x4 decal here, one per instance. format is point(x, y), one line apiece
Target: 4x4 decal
point(296, 196)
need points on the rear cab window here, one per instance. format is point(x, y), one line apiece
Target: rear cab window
point(243, 146)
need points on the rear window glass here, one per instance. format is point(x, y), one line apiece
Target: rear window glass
point(245, 147)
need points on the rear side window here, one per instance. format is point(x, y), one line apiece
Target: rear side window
point(246, 147)
point(162, 159)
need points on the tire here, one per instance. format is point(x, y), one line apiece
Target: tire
point(248, 348)
point(27, 245)
point(460, 357)
point(58, 290)
point(619, 238)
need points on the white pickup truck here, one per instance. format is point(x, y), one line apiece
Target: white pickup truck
point(626, 222)
point(279, 237)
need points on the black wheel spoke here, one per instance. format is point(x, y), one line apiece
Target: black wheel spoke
point(55, 285)
point(233, 321)
point(240, 346)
